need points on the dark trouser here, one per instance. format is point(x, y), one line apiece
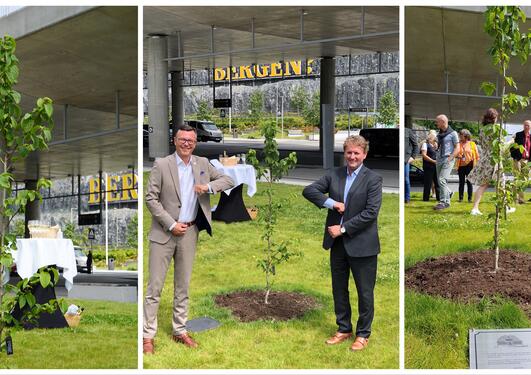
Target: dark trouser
point(364, 272)
point(463, 172)
point(430, 177)
point(407, 183)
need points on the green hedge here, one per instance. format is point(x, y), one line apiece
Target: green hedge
point(291, 121)
point(120, 256)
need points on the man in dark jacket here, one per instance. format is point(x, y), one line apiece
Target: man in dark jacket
point(411, 149)
point(353, 196)
point(520, 158)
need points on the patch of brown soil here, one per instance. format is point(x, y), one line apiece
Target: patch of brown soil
point(249, 305)
point(469, 276)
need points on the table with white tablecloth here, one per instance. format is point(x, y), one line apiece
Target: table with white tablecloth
point(35, 253)
point(231, 207)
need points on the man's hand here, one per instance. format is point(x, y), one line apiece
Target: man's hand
point(410, 160)
point(334, 230)
point(339, 207)
point(201, 189)
point(179, 229)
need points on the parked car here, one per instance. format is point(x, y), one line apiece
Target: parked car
point(206, 130)
point(81, 259)
point(383, 142)
point(416, 175)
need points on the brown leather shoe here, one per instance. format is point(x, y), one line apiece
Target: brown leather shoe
point(359, 344)
point(185, 339)
point(149, 346)
point(338, 338)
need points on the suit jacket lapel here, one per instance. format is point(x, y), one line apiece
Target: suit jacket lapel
point(342, 181)
point(356, 183)
point(174, 171)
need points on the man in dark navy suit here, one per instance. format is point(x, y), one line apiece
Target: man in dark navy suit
point(353, 196)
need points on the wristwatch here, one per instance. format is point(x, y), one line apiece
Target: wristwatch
point(342, 230)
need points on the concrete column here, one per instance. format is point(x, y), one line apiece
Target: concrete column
point(157, 71)
point(327, 96)
point(33, 209)
point(177, 98)
point(176, 68)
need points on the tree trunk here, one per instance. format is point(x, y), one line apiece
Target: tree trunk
point(269, 224)
point(499, 177)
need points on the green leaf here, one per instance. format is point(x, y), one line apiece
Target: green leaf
point(47, 134)
point(44, 278)
point(5, 180)
point(55, 276)
point(22, 300)
point(48, 108)
point(31, 195)
point(26, 123)
point(12, 73)
point(43, 183)
point(16, 96)
point(488, 88)
point(30, 299)
point(510, 81)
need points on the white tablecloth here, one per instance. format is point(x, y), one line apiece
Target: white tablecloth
point(240, 173)
point(34, 253)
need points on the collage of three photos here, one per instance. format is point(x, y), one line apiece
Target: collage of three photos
point(230, 187)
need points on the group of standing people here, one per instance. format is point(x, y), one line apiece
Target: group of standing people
point(445, 150)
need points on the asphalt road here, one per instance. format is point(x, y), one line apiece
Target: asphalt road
point(308, 153)
point(309, 159)
point(117, 278)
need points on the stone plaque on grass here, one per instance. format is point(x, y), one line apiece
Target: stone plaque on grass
point(500, 348)
point(201, 324)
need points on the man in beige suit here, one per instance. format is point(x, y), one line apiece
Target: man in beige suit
point(177, 197)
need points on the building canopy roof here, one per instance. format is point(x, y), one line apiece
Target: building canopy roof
point(265, 34)
point(85, 59)
point(446, 62)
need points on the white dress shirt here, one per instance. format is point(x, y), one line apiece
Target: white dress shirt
point(188, 195)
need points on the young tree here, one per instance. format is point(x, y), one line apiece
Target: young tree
point(256, 106)
point(20, 134)
point(502, 23)
point(204, 112)
point(300, 98)
point(311, 112)
point(132, 232)
point(78, 237)
point(272, 169)
point(387, 110)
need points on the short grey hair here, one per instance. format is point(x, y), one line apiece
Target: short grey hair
point(466, 134)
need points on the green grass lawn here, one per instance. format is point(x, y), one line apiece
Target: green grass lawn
point(436, 330)
point(227, 262)
point(106, 338)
